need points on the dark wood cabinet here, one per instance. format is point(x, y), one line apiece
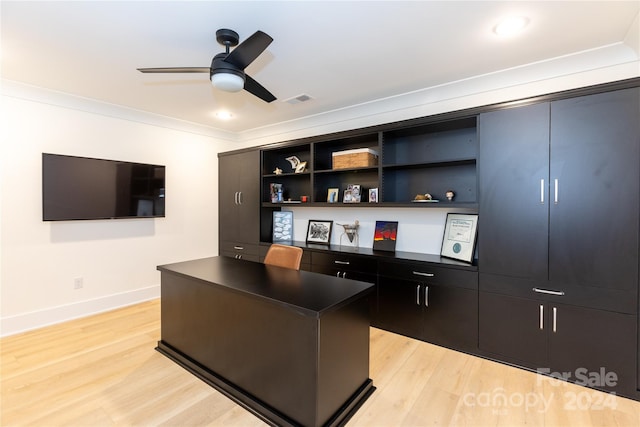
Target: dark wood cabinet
point(595, 187)
point(430, 303)
point(560, 188)
point(514, 177)
point(559, 235)
point(592, 347)
point(239, 204)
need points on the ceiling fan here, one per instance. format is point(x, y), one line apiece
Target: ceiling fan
point(227, 68)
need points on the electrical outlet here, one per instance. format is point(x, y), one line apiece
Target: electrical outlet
point(78, 283)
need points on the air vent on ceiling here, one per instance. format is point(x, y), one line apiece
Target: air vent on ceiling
point(298, 99)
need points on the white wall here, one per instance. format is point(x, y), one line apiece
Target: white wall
point(116, 259)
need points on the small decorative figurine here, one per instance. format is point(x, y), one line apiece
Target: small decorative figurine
point(277, 171)
point(450, 195)
point(351, 231)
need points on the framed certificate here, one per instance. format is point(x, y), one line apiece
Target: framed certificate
point(459, 238)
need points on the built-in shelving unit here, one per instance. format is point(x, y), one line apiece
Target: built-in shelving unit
point(431, 158)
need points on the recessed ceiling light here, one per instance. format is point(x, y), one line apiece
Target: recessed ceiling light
point(511, 26)
point(224, 115)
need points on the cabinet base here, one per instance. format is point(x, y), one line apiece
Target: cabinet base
point(256, 406)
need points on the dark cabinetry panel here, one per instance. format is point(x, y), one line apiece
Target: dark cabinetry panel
point(552, 337)
point(239, 201)
point(430, 303)
point(559, 235)
point(514, 178)
point(595, 177)
point(560, 188)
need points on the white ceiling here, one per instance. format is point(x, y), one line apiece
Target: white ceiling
point(341, 53)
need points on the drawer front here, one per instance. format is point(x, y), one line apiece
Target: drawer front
point(345, 262)
point(429, 273)
point(247, 257)
point(238, 248)
point(345, 274)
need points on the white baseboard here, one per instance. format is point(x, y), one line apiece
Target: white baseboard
point(37, 319)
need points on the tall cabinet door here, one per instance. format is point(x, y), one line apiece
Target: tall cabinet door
point(595, 156)
point(239, 200)
point(514, 179)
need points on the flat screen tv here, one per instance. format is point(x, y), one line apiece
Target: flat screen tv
point(85, 188)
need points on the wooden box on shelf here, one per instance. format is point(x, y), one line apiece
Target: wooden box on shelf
point(357, 158)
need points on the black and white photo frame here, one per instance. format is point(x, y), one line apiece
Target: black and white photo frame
point(319, 231)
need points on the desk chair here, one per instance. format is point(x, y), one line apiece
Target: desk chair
point(284, 256)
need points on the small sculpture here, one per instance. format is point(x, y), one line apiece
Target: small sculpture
point(450, 195)
point(295, 161)
point(426, 196)
point(351, 231)
point(277, 171)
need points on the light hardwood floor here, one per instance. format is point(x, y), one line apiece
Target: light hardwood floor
point(103, 370)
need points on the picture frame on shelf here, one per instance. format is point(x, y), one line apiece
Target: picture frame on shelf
point(332, 195)
point(373, 195)
point(282, 227)
point(385, 236)
point(459, 239)
point(319, 231)
point(352, 194)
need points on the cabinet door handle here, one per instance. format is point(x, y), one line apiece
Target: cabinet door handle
point(344, 275)
point(238, 248)
point(541, 317)
point(555, 315)
point(419, 273)
point(555, 196)
point(341, 262)
point(338, 274)
point(239, 197)
point(548, 292)
point(418, 295)
point(235, 198)
point(426, 296)
point(542, 191)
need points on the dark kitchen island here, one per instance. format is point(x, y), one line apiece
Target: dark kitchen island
point(290, 346)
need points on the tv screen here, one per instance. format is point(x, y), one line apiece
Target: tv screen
point(85, 188)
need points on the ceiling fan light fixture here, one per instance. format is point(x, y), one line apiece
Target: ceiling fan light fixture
point(227, 82)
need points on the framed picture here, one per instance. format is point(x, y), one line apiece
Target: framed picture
point(332, 195)
point(282, 226)
point(459, 237)
point(319, 231)
point(373, 195)
point(384, 236)
point(352, 194)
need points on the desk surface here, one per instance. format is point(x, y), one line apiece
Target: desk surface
point(310, 293)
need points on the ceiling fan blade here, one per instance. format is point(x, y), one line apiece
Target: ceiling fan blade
point(255, 88)
point(175, 70)
point(248, 50)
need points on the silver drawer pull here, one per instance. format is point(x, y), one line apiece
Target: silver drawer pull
point(418, 295)
point(341, 262)
point(419, 273)
point(548, 292)
point(238, 248)
point(541, 317)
